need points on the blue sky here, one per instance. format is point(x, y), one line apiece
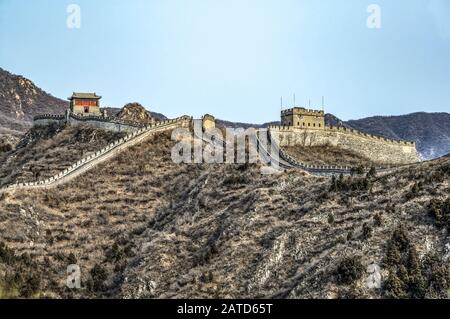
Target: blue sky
point(235, 58)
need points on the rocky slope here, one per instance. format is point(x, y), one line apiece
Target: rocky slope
point(113, 111)
point(7, 143)
point(329, 155)
point(21, 100)
point(135, 112)
point(45, 151)
point(142, 226)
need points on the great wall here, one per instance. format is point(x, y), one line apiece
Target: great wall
point(282, 160)
point(299, 126)
point(102, 122)
point(306, 127)
point(265, 150)
point(87, 163)
point(378, 149)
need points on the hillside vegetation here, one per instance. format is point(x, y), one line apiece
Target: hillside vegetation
point(47, 150)
point(328, 155)
point(141, 226)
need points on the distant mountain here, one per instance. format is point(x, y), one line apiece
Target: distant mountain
point(244, 125)
point(431, 131)
point(21, 100)
point(332, 120)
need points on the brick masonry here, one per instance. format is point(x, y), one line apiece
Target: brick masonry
point(106, 123)
point(373, 147)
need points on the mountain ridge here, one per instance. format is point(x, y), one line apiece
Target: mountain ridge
point(21, 100)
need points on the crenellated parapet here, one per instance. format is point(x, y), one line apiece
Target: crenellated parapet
point(353, 131)
point(49, 116)
point(376, 148)
point(302, 111)
point(304, 118)
point(342, 129)
point(103, 122)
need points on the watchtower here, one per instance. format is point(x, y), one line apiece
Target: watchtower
point(85, 104)
point(303, 118)
point(208, 121)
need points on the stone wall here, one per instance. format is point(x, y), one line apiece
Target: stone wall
point(106, 123)
point(47, 119)
point(374, 147)
point(301, 117)
point(105, 153)
point(93, 110)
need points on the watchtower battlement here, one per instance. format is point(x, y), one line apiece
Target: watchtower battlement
point(303, 118)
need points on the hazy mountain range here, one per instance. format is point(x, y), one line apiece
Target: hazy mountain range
point(431, 131)
point(21, 99)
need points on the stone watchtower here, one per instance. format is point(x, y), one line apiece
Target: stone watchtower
point(208, 121)
point(85, 104)
point(303, 118)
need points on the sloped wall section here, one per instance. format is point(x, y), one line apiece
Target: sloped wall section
point(105, 153)
point(377, 148)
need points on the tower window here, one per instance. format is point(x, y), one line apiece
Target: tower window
point(314, 124)
point(309, 124)
point(319, 124)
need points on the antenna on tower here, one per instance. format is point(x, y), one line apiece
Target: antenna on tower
point(294, 99)
point(281, 105)
point(323, 103)
point(309, 103)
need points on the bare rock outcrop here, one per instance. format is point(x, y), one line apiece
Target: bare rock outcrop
point(21, 100)
point(135, 112)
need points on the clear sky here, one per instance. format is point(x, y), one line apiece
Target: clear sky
point(235, 58)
